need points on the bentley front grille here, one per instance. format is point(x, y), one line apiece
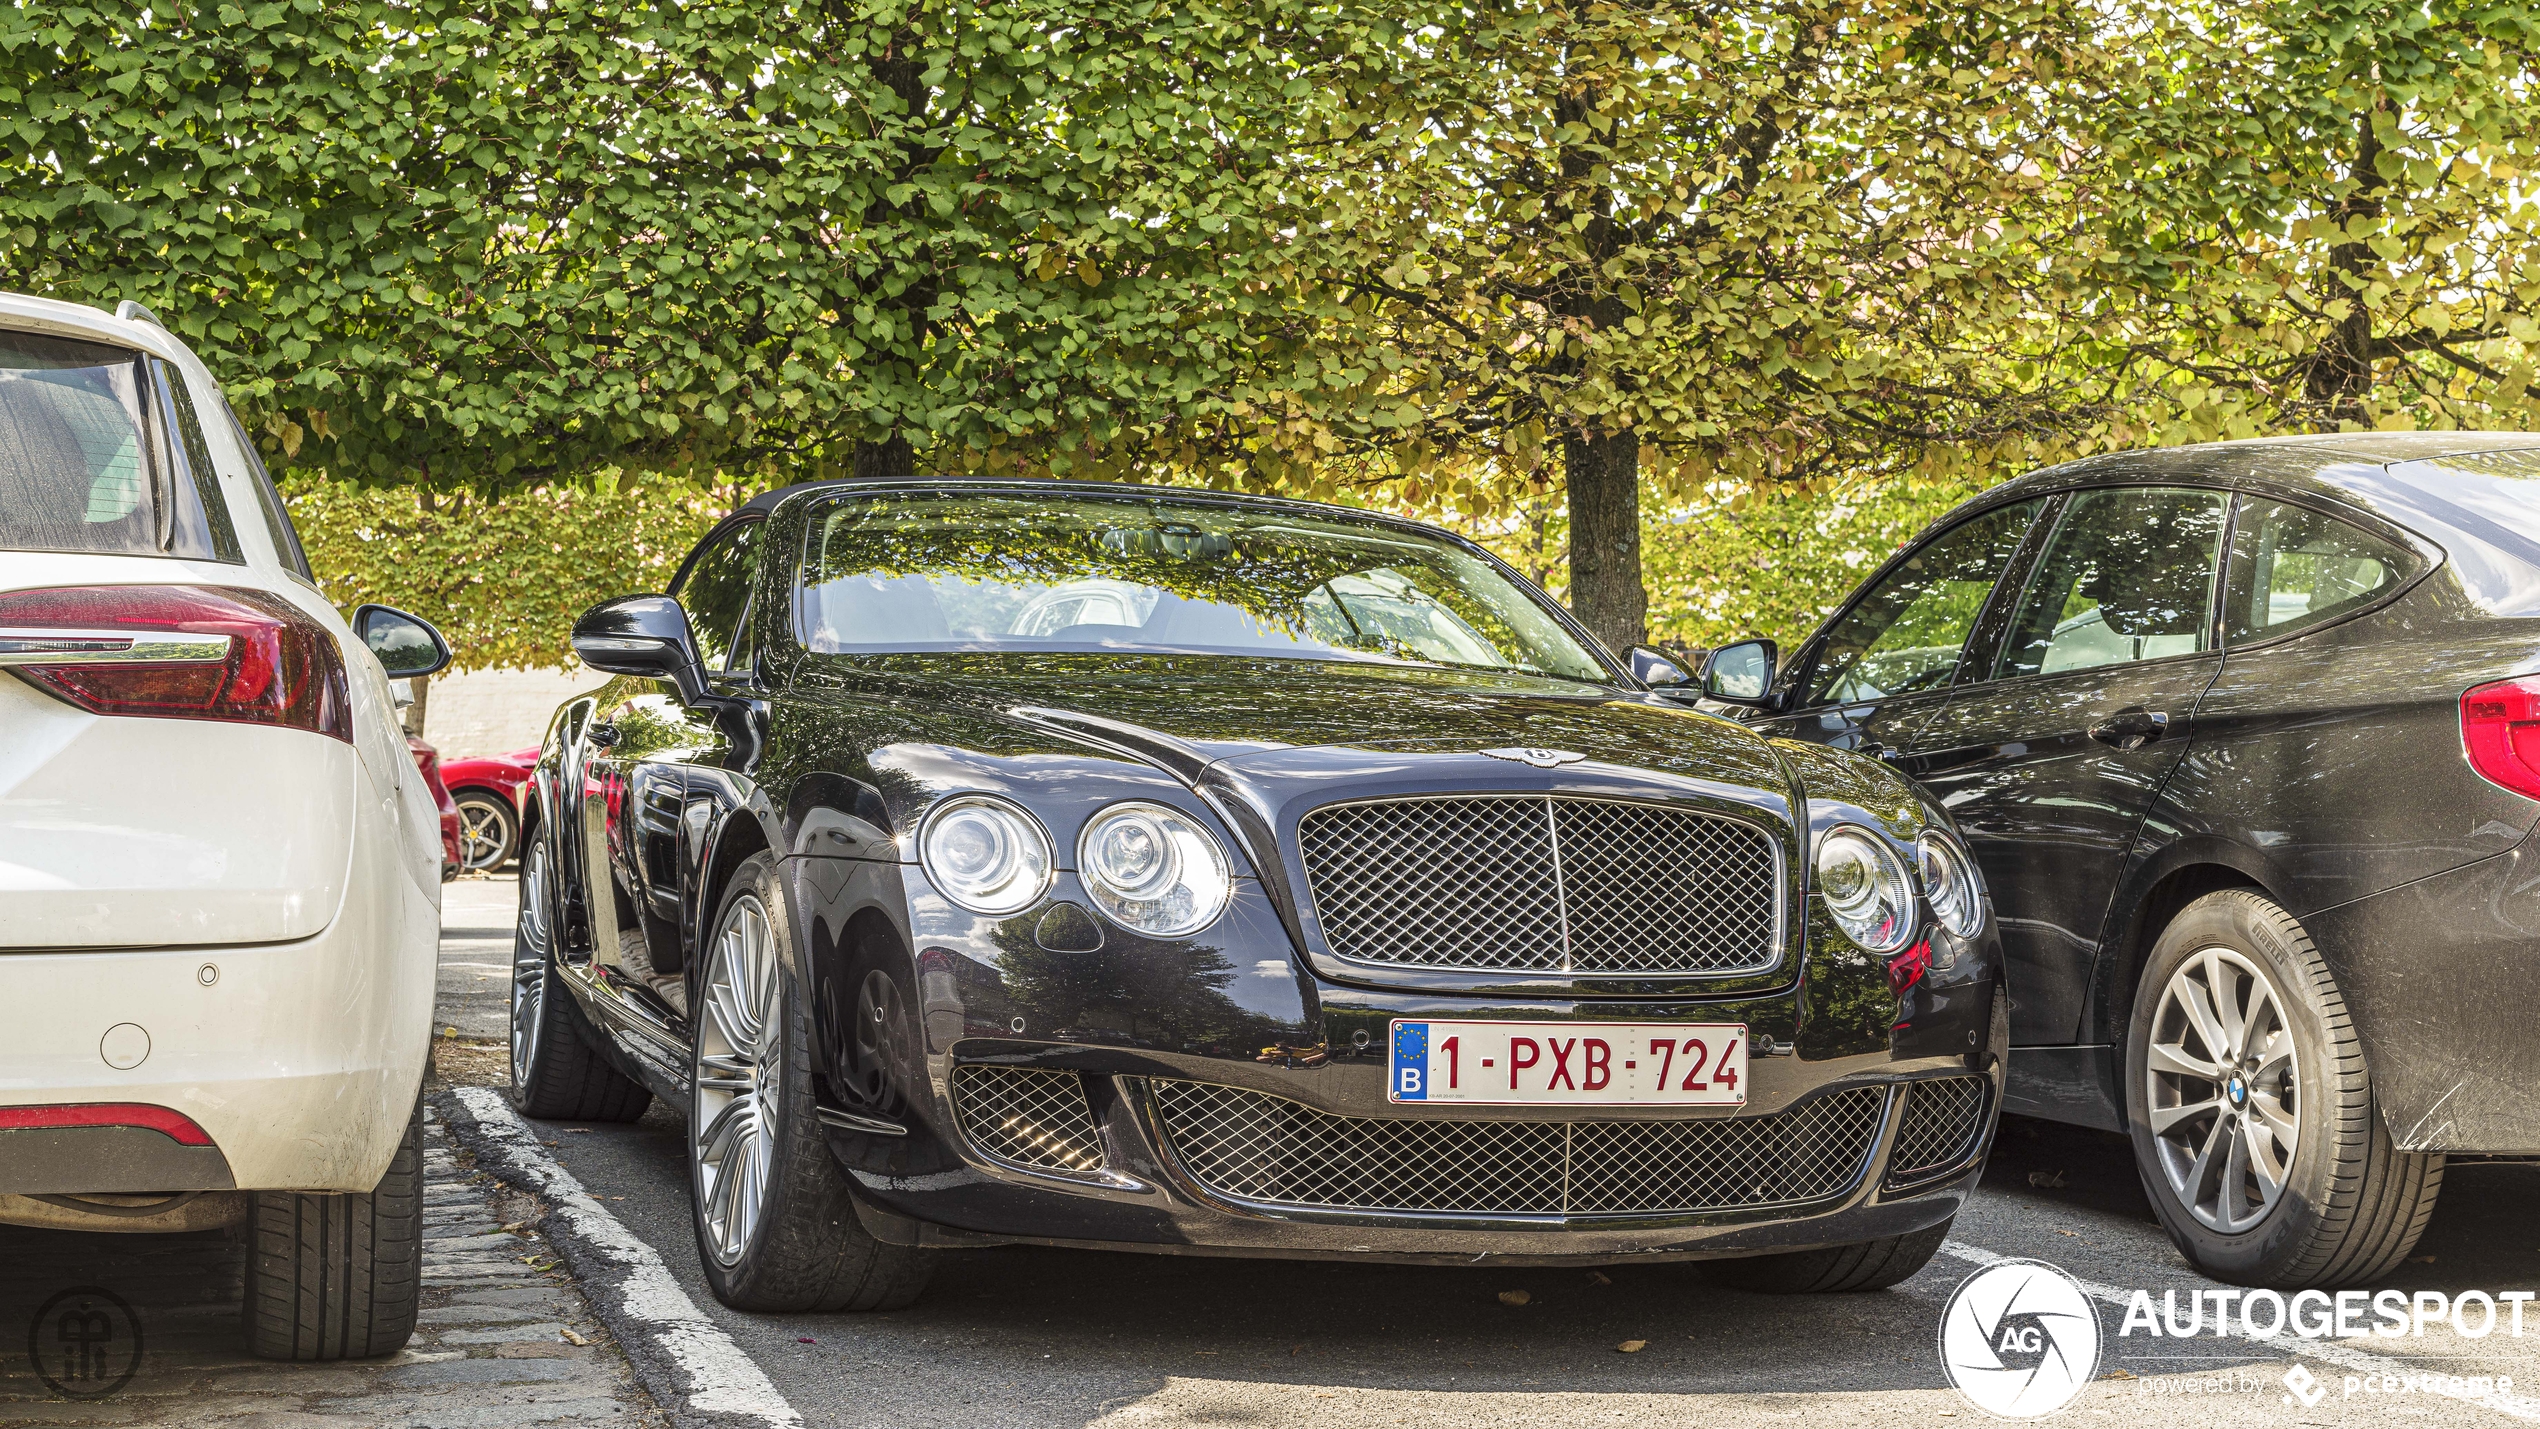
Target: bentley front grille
point(1028, 1118)
point(1542, 884)
point(1943, 1119)
point(1251, 1146)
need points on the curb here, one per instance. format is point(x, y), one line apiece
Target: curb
point(699, 1375)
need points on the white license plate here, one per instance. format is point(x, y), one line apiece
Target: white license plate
point(1568, 1063)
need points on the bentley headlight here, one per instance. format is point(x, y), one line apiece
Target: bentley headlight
point(1865, 888)
point(1949, 882)
point(1153, 870)
point(985, 854)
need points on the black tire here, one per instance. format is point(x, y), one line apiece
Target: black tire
point(2351, 1204)
point(494, 814)
point(802, 1246)
point(1870, 1265)
point(557, 1074)
point(337, 1277)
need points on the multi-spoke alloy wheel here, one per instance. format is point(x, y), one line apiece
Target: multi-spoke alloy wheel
point(740, 1080)
point(2223, 1083)
point(2251, 1108)
point(532, 942)
point(485, 832)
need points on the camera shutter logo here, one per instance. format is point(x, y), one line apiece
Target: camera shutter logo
point(2019, 1339)
point(86, 1343)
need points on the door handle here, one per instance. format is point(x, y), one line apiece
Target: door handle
point(2131, 728)
point(602, 734)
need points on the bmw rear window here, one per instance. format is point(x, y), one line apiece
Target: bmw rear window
point(100, 451)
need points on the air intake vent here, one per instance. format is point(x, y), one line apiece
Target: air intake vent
point(1535, 884)
point(1251, 1146)
point(1943, 1120)
point(1028, 1118)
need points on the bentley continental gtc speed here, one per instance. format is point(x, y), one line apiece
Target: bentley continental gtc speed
point(2246, 740)
point(1096, 866)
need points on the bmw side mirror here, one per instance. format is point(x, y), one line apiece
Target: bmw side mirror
point(1741, 674)
point(1657, 669)
point(407, 645)
point(644, 635)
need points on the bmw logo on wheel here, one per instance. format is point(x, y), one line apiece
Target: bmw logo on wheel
point(2019, 1339)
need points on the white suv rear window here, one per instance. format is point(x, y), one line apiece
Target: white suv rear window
point(99, 452)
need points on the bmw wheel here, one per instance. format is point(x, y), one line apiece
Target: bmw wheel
point(485, 831)
point(2253, 1119)
point(776, 1222)
point(557, 1073)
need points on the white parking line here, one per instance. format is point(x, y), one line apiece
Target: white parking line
point(717, 1378)
point(2334, 1352)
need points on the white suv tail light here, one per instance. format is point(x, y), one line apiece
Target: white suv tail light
point(179, 652)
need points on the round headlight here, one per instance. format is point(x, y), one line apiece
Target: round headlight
point(1865, 888)
point(1154, 870)
point(985, 854)
point(1949, 881)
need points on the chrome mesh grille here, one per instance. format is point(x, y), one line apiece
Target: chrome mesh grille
point(1028, 1117)
point(1531, 883)
point(1251, 1146)
point(1942, 1121)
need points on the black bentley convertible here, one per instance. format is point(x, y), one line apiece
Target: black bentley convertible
point(987, 862)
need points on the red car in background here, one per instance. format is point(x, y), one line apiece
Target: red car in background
point(487, 790)
point(428, 760)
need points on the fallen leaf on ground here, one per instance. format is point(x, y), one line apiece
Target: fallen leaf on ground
point(1599, 1277)
point(2059, 1230)
point(1632, 1347)
point(2118, 1374)
point(2047, 1180)
point(1514, 1297)
point(1295, 1350)
point(2422, 1259)
point(577, 1339)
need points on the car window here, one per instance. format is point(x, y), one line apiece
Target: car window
point(716, 591)
point(286, 539)
point(2293, 568)
point(1905, 634)
point(2127, 576)
point(86, 457)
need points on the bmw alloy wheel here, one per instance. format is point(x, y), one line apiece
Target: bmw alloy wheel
point(739, 1076)
point(530, 949)
point(2221, 1086)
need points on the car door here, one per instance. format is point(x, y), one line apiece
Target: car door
point(1880, 669)
point(2050, 760)
point(646, 743)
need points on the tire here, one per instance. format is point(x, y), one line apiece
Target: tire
point(337, 1277)
point(1870, 1265)
point(2348, 1204)
point(775, 1220)
point(557, 1074)
point(487, 830)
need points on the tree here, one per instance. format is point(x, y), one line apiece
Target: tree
point(1777, 239)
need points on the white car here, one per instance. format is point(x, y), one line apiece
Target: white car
point(220, 870)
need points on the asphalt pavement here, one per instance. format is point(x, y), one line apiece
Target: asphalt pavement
point(1034, 1337)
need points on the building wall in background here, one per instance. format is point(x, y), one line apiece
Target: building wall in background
point(495, 711)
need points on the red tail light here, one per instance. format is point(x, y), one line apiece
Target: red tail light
point(175, 1124)
point(179, 652)
point(2500, 729)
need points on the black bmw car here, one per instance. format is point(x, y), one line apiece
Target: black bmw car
point(976, 863)
point(2245, 739)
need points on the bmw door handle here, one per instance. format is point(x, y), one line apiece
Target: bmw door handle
point(2131, 728)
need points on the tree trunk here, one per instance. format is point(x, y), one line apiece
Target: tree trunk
point(1606, 594)
point(2339, 378)
point(422, 687)
point(876, 461)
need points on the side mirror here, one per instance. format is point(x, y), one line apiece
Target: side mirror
point(1741, 674)
point(1657, 669)
point(644, 635)
point(406, 645)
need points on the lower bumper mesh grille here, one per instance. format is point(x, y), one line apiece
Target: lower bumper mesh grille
point(1028, 1118)
point(1942, 1121)
point(1251, 1146)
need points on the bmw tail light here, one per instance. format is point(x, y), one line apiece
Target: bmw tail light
point(179, 652)
point(2500, 729)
